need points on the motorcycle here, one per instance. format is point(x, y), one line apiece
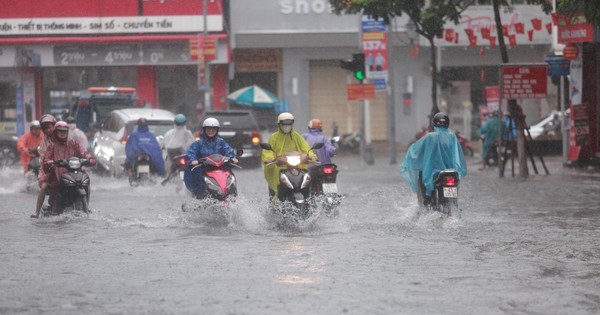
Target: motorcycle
point(141, 171)
point(74, 187)
point(350, 142)
point(34, 169)
point(324, 187)
point(221, 189)
point(293, 191)
point(492, 156)
point(445, 194)
point(177, 170)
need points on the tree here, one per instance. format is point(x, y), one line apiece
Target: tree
point(512, 104)
point(590, 9)
point(429, 18)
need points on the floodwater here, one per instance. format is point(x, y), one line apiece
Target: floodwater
point(521, 247)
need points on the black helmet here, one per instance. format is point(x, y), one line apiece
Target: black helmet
point(142, 121)
point(441, 120)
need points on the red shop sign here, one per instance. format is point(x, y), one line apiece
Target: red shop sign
point(524, 81)
point(570, 52)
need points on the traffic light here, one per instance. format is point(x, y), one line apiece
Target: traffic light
point(356, 65)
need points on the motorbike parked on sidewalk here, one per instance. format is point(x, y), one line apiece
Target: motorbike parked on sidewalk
point(295, 207)
point(444, 198)
point(74, 187)
point(350, 142)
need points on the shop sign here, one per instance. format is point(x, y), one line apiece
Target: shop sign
point(574, 29)
point(374, 46)
point(524, 81)
point(557, 65)
point(63, 17)
point(358, 91)
point(125, 54)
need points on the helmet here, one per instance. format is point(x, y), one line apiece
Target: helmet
point(70, 120)
point(211, 122)
point(180, 119)
point(142, 121)
point(315, 124)
point(61, 126)
point(47, 119)
point(441, 120)
point(285, 119)
point(35, 124)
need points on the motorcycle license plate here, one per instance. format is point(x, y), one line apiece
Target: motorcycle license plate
point(181, 175)
point(143, 169)
point(450, 192)
point(330, 188)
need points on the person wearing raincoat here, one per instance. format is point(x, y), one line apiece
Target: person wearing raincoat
point(489, 130)
point(434, 152)
point(177, 141)
point(315, 135)
point(283, 140)
point(30, 140)
point(61, 149)
point(143, 141)
point(208, 144)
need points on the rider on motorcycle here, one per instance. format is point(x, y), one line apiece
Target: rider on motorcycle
point(208, 144)
point(489, 131)
point(143, 141)
point(28, 141)
point(283, 140)
point(315, 135)
point(76, 133)
point(61, 149)
point(47, 122)
point(177, 141)
point(434, 152)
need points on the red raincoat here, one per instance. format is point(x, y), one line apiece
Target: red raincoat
point(61, 151)
point(26, 141)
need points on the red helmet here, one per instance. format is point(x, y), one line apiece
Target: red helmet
point(47, 119)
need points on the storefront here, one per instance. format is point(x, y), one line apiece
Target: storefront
point(52, 51)
point(312, 40)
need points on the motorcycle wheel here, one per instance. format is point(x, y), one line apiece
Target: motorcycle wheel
point(468, 152)
point(80, 204)
point(450, 208)
point(8, 156)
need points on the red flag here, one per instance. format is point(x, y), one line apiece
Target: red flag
point(549, 28)
point(492, 41)
point(512, 40)
point(449, 35)
point(485, 33)
point(530, 34)
point(473, 40)
point(537, 24)
point(554, 18)
point(520, 28)
point(505, 30)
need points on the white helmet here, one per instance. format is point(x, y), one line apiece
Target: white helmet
point(285, 118)
point(211, 122)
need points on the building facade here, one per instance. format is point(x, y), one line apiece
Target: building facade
point(305, 41)
point(51, 50)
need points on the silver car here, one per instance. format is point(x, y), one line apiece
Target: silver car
point(108, 144)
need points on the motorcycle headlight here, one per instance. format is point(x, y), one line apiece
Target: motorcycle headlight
point(293, 160)
point(74, 164)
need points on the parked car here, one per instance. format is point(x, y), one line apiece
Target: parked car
point(95, 103)
point(240, 129)
point(8, 150)
point(108, 145)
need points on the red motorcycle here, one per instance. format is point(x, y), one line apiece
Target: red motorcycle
point(220, 180)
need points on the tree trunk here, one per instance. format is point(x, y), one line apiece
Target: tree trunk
point(434, 108)
point(512, 104)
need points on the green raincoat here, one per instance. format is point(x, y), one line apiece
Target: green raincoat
point(281, 143)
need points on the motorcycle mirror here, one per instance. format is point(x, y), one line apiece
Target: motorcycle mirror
point(317, 146)
point(239, 152)
point(266, 146)
point(335, 139)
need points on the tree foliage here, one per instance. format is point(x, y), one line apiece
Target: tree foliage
point(590, 9)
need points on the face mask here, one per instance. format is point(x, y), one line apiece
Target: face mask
point(286, 128)
point(71, 126)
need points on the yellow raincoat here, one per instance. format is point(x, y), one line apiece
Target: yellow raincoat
point(281, 143)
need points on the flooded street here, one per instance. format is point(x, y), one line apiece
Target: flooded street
point(521, 247)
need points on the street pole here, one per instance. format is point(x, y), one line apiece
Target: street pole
point(207, 86)
point(390, 101)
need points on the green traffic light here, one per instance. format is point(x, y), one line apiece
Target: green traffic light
point(359, 75)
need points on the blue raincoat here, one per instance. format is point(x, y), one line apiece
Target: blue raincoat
point(325, 153)
point(490, 131)
point(436, 151)
point(194, 180)
point(144, 141)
